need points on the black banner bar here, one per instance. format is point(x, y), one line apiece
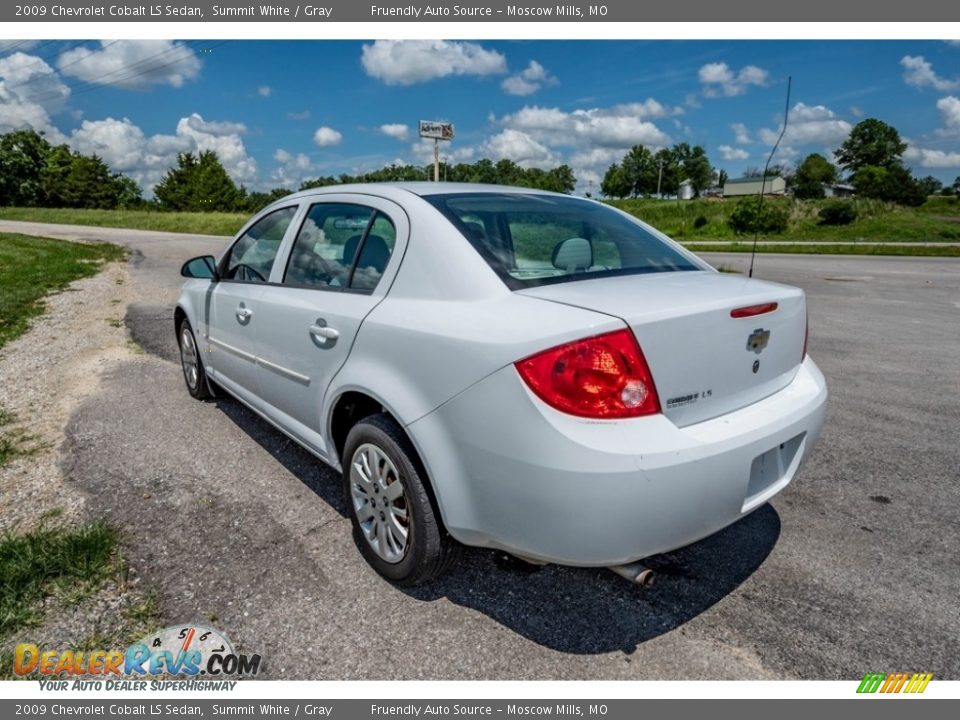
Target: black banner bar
point(479, 11)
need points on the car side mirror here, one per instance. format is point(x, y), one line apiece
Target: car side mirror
point(203, 267)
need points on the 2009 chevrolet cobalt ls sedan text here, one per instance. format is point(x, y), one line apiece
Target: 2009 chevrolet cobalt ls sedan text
point(506, 368)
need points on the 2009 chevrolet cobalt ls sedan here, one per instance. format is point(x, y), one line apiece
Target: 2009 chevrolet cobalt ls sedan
point(505, 368)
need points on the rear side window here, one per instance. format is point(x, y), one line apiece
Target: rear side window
point(340, 246)
point(531, 239)
point(252, 255)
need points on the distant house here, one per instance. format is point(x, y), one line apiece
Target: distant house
point(774, 185)
point(838, 190)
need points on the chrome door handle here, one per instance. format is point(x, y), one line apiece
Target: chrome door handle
point(244, 314)
point(324, 331)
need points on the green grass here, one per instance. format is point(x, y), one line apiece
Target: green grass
point(14, 442)
point(51, 561)
point(936, 221)
point(812, 248)
point(202, 223)
point(32, 267)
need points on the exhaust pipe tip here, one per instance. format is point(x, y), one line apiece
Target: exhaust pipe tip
point(636, 573)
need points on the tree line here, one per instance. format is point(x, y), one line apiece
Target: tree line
point(645, 173)
point(35, 173)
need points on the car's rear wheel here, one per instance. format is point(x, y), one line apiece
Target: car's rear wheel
point(395, 525)
point(193, 372)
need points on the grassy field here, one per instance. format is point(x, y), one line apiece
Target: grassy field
point(32, 267)
point(936, 221)
point(199, 223)
point(813, 248)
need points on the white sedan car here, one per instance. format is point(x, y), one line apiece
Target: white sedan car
point(506, 368)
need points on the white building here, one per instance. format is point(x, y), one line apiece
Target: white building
point(774, 185)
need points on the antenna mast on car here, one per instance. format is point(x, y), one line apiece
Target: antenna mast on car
point(763, 179)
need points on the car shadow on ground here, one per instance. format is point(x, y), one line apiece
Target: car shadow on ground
point(573, 610)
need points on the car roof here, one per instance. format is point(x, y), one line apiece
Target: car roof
point(417, 188)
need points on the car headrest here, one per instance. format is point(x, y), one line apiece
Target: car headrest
point(375, 253)
point(573, 254)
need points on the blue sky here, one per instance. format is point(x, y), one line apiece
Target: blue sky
point(281, 111)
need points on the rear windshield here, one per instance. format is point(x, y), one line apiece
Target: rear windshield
point(532, 240)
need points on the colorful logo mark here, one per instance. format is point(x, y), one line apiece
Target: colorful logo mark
point(894, 682)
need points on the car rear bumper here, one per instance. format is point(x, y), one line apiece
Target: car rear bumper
point(512, 473)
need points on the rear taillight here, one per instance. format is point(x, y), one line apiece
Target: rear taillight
point(599, 377)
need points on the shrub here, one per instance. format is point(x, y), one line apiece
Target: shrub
point(749, 217)
point(838, 213)
point(699, 222)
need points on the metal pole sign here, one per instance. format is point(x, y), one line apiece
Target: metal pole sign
point(437, 131)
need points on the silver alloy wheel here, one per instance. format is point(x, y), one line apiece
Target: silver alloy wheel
point(380, 502)
point(188, 357)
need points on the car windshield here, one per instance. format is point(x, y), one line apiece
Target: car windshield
point(531, 239)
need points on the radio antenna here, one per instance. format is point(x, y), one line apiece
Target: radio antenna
point(763, 180)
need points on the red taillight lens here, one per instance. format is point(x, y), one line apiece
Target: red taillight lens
point(600, 377)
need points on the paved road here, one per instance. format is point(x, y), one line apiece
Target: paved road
point(853, 568)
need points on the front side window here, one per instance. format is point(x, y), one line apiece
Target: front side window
point(341, 246)
point(531, 240)
point(252, 255)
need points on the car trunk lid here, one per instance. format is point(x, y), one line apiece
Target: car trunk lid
point(705, 362)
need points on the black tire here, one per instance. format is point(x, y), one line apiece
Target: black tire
point(430, 551)
point(199, 390)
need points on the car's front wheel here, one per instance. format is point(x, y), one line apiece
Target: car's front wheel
point(193, 372)
point(395, 525)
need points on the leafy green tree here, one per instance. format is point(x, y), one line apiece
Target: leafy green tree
point(813, 173)
point(929, 185)
point(640, 170)
point(615, 183)
point(668, 172)
point(872, 143)
point(695, 167)
point(23, 154)
point(893, 184)
point(198, 183)
point(722, 178)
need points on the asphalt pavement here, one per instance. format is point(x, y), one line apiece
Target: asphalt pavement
point(854, 568)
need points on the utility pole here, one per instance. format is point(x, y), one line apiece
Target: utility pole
point(659, 178)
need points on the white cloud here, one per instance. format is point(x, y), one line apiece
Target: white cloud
point(125, 148)
point(810, 125)
point(132, 64)
point(518, 146)
point(264, 91)
point(949, 108)
point(732, 153)
point(928, 158)
point(741, 133)
point(406, 62)
point(620, 126)
point(303, 115)
point(920, 73)
point(720, 79)
point(326, 136)
point(30, 92)
point(19, 45)
point(423, 151)
point(528, 81)
point(291, 170)
point(398, 131)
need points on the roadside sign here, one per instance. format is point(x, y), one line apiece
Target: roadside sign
point(436, 130)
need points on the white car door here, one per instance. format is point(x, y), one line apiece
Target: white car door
point(340, 265)
point(233, 311)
